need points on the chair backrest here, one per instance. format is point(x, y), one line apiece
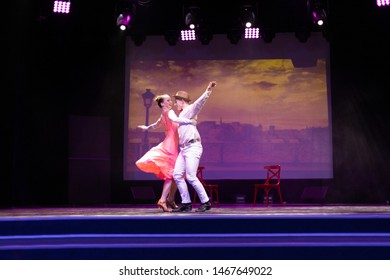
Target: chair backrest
point(273, 174)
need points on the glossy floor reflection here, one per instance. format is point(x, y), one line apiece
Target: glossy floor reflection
point(222, 210)
point(231, 231)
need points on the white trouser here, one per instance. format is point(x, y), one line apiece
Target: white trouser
point(185, 169)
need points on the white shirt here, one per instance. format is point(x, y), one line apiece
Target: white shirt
point(190, 132)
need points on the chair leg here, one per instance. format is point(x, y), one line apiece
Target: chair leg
point(195, 195)
point(214, 195)
point(255, 197)
point(217, 195)
point(266, 197)
point(211, 195)
point(280, 196)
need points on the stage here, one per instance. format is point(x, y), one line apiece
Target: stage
point(231, 231)
point(147, 210)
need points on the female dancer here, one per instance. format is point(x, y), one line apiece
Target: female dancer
point(161, 159)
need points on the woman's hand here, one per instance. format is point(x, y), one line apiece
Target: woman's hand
point(143, 127)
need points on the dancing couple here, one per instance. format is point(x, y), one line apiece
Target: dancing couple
point(177, 158)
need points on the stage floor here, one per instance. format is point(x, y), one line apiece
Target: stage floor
point(231, 231)
point(222, 210)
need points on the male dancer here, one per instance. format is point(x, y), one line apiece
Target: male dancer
point(191, 150)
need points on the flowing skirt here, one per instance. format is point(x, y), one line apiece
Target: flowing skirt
point(158, 160)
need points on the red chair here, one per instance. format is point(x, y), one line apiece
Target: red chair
point(272, 182)
point(212, 189)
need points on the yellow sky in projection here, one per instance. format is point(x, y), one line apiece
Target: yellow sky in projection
point(267, 91)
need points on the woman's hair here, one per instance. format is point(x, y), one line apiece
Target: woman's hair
point(160, 99)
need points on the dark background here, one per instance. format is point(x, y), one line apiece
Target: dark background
point(63, 98)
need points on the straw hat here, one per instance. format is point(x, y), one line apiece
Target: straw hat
point(182, 95)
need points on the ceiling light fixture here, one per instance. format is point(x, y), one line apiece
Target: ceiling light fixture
point(318, 12)
point(62, 7)
point(125, 11)
point(248, 16)
point(381, 3)
point(123, 20)
point(192, 17)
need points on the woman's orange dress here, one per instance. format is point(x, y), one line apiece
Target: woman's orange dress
point(161, 159)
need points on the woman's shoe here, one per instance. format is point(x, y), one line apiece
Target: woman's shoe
point(163, 206)
point(172, 204)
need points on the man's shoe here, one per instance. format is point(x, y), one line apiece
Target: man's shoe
point(204, 207)
point(185, 207)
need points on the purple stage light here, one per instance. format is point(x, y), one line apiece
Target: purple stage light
point(381, 3)
point(188, 35)
point(62, 7)
point(252, 33)
point(123, 21)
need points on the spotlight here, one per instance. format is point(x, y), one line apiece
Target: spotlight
point(319, 16)
point(123, 21)
point(252, 33)
point(124, 11)
point(194, 25)
point(317, 11)
point(381, 3)
point(62, 7)
point(247, 16)
point(192, 18)
point(247, 20)
point(188, 35)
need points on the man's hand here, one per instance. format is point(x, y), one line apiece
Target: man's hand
point(211, 85)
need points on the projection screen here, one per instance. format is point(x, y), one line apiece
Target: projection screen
point(271, 104)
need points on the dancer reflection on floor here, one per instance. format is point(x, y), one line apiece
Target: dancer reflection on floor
point(161, 159)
